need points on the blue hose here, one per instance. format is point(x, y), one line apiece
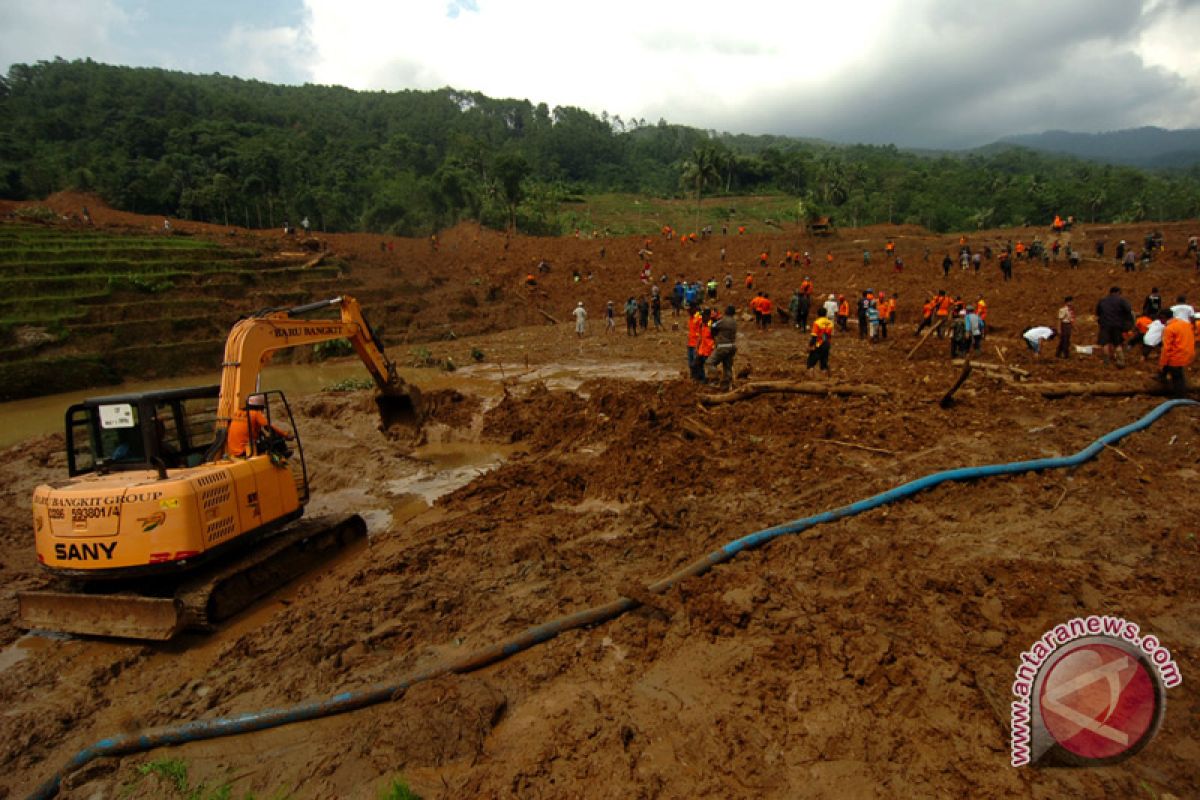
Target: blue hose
point(198, 730)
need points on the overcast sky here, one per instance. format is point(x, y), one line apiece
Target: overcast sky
point(931, 73)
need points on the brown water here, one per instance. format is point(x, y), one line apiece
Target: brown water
point(37, 416)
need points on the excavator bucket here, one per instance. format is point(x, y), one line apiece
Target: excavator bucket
point(399, 408)
point(120, 615)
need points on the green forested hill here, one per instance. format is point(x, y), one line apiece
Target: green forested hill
point(243, 152)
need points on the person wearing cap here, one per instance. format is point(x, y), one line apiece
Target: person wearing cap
point(1066, 321)
point(246, 426)
point(580, 314)
point(831, 306)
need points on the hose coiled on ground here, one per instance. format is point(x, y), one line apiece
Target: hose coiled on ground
point(198, 730)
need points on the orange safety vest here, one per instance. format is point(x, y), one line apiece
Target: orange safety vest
point(765, 306)
point(243, 430)
point(822, 329)
point(829, 257)
point(943, 306)
point(806, 287)
point(694, 326)
point(707, 345)
point(927, 309)
point(1178, 344)
point(843, 308)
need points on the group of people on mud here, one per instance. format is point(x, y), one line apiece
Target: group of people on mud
point(1170, 331)
point(963, 322)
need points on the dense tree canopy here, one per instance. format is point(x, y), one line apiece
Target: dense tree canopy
point(244, 152)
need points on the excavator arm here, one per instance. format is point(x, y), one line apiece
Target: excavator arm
point(253, 340)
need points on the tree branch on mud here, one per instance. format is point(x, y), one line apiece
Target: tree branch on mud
point(749, 390)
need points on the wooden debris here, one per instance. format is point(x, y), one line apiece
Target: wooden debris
point(948, 398)
point(697, 428)
point(1098, 389)
point(547, 316)
point(988, 366)
point(928, 333)
point(749, 390)
point(1125, 456)
point(857, 446)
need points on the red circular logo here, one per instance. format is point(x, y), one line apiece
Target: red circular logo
point(1098, 701)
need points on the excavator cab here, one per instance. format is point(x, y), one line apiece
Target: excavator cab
point(165, 429)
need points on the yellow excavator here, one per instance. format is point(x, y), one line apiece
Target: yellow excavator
point(183, 506)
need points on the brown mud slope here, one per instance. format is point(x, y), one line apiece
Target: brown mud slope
point(866, 658)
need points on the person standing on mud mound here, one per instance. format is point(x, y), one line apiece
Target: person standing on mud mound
point(631, 311)
point(819, 342)
point(1114, 317)
point(643, 309)
point(580, 314)
point(656, 312)
point(802, 310)
point(725, 340)
point(1066, 321)
point(1152, 304)
point(946, 265)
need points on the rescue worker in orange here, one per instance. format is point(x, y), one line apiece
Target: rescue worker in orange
point(246, 426)
point(705, 348)
point(1178, 351)
point(819, 342)
point(944, 304)
point(926, 315)
point(806, 286)
point(843, 313)
point(695, 321)
point(767, 307)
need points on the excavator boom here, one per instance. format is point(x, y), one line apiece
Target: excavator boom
point(254, 339)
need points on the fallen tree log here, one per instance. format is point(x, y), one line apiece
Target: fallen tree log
point(987, 365)
point(749, 390)
point(552, 320)
point(1099, 389)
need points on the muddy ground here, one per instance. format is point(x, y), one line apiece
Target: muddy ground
point(866, 658)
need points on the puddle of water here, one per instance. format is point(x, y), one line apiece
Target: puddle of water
point(27, 645)
point(452, 466)
point(570, 376)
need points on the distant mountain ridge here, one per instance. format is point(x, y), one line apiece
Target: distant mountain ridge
point(1140, 147)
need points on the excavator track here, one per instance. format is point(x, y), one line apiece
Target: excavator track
point(202, 599)
point(208, 599)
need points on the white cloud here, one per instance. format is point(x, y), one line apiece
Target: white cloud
point(278, 54)
point(623, 56)
point(33, 31)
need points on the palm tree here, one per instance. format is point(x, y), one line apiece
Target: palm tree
point(699, 170)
